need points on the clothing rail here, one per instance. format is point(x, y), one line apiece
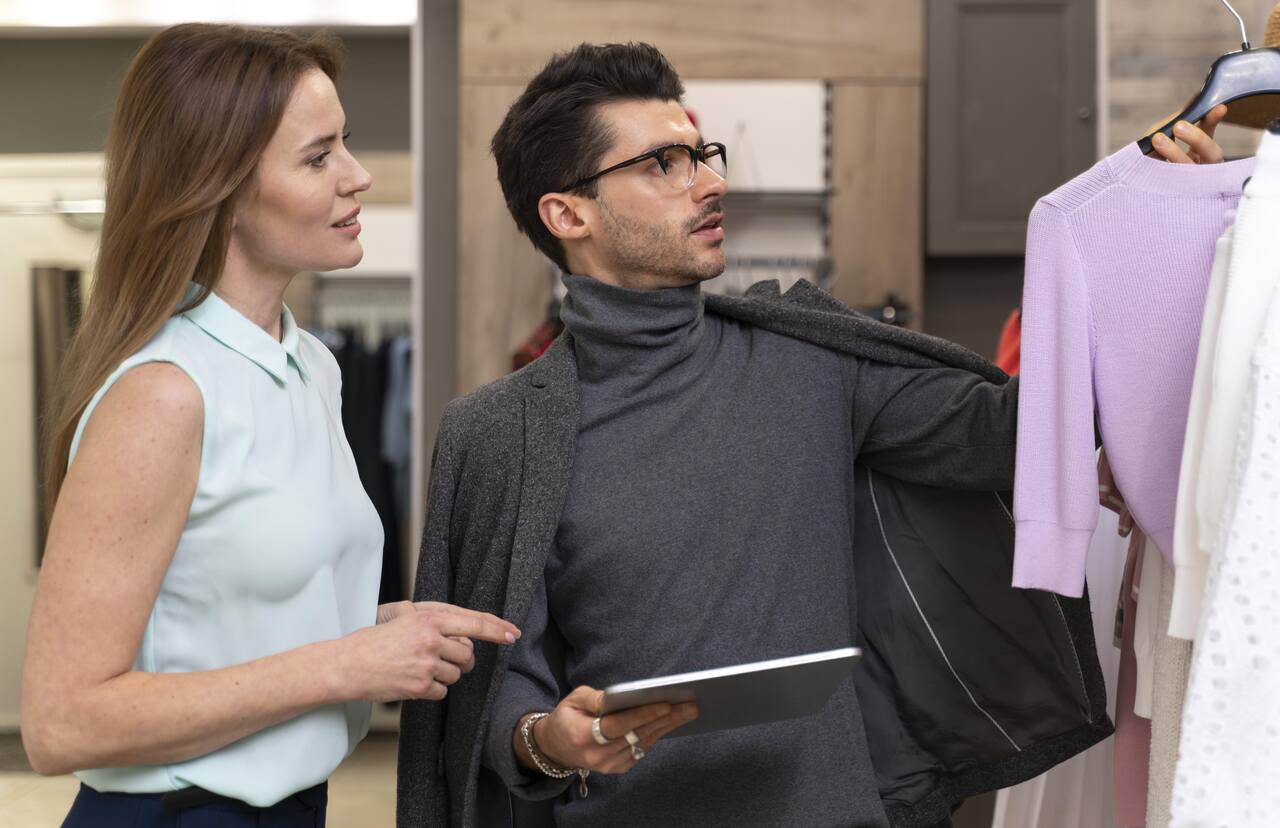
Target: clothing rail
point(80, 207)
point(81, 214)
point(377, 306)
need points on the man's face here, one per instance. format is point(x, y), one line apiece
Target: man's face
point(647, 233)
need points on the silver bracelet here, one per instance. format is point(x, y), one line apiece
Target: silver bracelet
point(544, 765)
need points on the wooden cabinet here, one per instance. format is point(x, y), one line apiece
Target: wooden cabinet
point(1011, 115)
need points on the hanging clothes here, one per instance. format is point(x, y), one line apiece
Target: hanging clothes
point(1118, 263)
point(1147, 631)
point(1133, 732)
point(1227, 763)
point(537, 344)
point(364, 384)
point(1196, 518)
point(1009, 349)
point(1172, 668)
point(397, 422)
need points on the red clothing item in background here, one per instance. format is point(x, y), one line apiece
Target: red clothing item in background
point(1009, 351)
point(537, 345)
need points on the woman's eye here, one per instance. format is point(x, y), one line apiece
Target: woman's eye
point(318, 161)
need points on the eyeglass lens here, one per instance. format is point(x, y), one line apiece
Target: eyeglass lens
point(680, 166)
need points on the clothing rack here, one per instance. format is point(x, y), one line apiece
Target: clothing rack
point(59, 207)
point(81, 214)
point(376, 306)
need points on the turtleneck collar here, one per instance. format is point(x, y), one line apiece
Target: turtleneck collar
point(630, 337)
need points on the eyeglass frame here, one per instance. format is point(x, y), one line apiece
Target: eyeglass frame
point(698, 154)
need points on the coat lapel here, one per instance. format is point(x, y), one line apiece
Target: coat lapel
point(552, 408)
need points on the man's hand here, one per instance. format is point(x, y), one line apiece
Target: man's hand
point(565, 736)
point(1201, 148)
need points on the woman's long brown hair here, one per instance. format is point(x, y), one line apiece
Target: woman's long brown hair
point(195, 112)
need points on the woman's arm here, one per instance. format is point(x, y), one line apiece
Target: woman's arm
point(115, 526)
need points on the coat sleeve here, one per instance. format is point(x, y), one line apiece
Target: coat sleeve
point(422, 797)
point(1055, 496)
point(935, 426)
point(531, 685)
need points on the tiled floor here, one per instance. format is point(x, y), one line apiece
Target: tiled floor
point(362, 793)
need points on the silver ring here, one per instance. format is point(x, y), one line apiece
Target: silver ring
point(633, 740)
point(597, 733)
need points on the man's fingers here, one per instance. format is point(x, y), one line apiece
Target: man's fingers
point(615, 725)
point(1169, 150)
point(1211, 120)
point(1204, 150)
point(680, 715)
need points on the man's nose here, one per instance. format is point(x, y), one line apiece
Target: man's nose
point(707, 183)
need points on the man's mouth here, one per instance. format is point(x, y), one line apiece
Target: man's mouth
point(710, 228)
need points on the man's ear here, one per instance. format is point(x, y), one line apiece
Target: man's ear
point(566, 216)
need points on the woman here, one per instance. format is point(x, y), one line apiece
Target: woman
point(203, 642)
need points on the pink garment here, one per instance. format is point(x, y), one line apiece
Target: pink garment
point(1133, 733)
point(1118, 262)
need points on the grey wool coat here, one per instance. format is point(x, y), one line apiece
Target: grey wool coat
point(966, 686)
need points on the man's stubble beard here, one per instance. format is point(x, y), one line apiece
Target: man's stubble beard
point(641, 250)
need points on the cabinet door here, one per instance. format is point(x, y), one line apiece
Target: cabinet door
point(1011, 115)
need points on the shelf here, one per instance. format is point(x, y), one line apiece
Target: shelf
point(789, 199)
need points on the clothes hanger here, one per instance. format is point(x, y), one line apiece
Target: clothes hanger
point(1247, 73)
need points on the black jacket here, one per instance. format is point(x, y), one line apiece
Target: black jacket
point(966, 684)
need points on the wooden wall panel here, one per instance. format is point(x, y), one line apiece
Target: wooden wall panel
point(876, 167)
point(1158, 56)
point(503, 282)
point(392, 172)
point(510, 40)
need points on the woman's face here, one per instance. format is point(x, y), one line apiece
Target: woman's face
point(299, 214)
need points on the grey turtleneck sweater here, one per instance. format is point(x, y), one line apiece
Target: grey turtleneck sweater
point(709, 523)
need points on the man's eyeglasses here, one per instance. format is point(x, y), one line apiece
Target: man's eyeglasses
point(678, 164)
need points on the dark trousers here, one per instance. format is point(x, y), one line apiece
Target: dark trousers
point(91, 809)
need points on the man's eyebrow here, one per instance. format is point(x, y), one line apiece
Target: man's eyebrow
point(667, 143)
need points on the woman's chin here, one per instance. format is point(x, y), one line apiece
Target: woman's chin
point(344, 262)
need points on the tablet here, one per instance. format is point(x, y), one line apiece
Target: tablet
point(748, 694)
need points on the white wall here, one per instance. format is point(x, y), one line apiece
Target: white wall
point(24, 241)
point(776, 131)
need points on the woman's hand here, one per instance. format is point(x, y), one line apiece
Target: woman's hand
point(415, 651)
point(565, 736)
point(1201, 148)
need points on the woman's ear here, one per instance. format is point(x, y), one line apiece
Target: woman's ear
point(566, 216)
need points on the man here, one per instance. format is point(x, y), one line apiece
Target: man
point(681, 484)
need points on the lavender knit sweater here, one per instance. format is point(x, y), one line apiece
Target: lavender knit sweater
point(1118, 262)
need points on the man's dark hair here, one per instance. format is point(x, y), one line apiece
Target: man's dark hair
point(553, 135)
